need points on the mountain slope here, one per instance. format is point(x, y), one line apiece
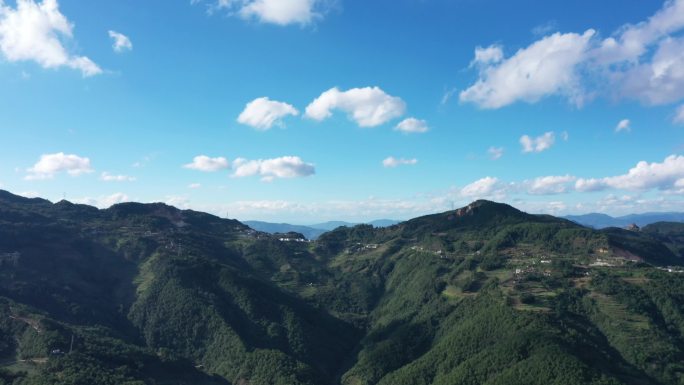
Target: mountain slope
point(171, 282)
point(313, 231)
point(272, 228)
point(600, 221)
point(485, 294)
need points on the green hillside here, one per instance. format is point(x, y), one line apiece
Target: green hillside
point(486, 294)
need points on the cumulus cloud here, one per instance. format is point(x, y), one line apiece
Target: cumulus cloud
point(107, 177)
point(354, 211)
point(104, 201)
point(643, 176)
point(538, 144)
point(487, 187)
point(50, 164)
point(29, 194)
point(658, 81)
point(546, 67)
point(391, 162)
point(279, 12)
point(633, 40)
point(368, 107)
point(121, 42)
point(194, 186)
point(179, 202)
point(207, 164)
point(643, 61)
point(679, 115)
point(589, 185)
point(495, 153)
point(263, 113)
point(404, 208)
point(547, 185)
point(412, 125)
point(490, 55)
point(270, 169)
point(624, 125)
point(36, 32)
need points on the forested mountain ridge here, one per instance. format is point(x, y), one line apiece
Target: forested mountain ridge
point(601, 221)
point(311, 231)
point(486, 294)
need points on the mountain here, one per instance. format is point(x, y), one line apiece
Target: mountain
point(311, 231)
point(273, 228)
point(332, 225)
point(383, 222)
point(600, 221)
point(486, 294)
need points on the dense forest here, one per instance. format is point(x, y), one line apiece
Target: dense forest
point(486, 294)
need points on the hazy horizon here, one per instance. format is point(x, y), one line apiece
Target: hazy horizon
point(351, 219)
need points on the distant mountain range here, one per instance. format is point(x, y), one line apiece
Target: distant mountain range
point(594, 220)
point(311, 231)
point(600, 221)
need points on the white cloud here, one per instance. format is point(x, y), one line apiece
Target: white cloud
point(36, 32)
point(589, 185)
point(29, 194)
point(643, 61)
point(633, 40)
point(194, 186)
point(107, 177)
point(392, 162)
point(546, 67)
point(179, 202)
point(679, 115)
point(103, 201)
point(486, 187)
point(565, 136)
point(538, 144)
point(643, 176)
point(447, 95)
point(368, 107)
point(279, 12)
point(270, 169)
point(207, 164)
point(422, 204)
point(624, 125)
point(658, 81)
point(545, 28)
point(490, 55)
point(495, 152)
point(614, 204)
point(263, 113)
point(51, 164)
point(547, 185)
point(353, 211)
point(540, 206)
point(121, 42)
point(412, 125)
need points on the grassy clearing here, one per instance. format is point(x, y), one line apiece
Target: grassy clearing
point(455, 292)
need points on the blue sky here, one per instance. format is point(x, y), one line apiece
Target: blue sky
point(312, 110)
